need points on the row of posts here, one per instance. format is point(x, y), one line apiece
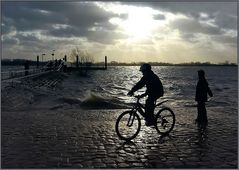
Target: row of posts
point(65, 59)
point(77, 61)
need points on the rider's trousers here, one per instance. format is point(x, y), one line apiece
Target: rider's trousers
point(149, 108)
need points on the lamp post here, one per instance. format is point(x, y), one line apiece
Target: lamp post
point(42, 58)
point(37, 61)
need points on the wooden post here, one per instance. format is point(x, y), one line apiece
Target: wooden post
point(65, 58)
point(37, 61)
point(26, 66)
point(106, 62)
point(77, 61)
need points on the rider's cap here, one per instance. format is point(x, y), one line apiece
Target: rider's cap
point(145, 67)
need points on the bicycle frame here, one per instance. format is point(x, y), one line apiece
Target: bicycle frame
point(141, 108)
point(158, 104)
point(164, 122)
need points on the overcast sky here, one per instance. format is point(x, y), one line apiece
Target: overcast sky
point(124, 31)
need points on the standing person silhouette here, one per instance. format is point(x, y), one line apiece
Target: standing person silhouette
point(154, 90)
point(202, 90)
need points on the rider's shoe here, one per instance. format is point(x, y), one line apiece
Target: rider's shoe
point(149, 123)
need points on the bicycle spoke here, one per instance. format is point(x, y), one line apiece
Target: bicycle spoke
point(131, 120)
point(165, 120)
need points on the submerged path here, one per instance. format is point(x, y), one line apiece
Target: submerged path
point(66, 136)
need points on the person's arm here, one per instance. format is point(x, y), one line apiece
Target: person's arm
point(209, 91)
point(144, 94)
point(138, 86)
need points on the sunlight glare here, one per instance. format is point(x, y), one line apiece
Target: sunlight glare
point(139, 24)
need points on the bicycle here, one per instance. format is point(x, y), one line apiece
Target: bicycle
point(128, 123)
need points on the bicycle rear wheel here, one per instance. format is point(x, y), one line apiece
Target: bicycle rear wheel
point(165, 120)
point(128, 125)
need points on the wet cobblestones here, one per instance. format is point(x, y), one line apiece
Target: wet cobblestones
point(75, 138)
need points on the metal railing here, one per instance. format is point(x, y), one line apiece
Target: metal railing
point(18, 74)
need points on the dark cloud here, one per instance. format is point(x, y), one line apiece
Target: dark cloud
point(24, 16)
point(27, 40)
point(190, 8)
point(226, 40)
point(159, 17)
point(193, 26)
point(105, 37)
point(10, 40)
point(7, 26)
point(189, 37)
point(226, 21)
point(98, 34)
point(70, 31)
point(191, 29)
point(224, 13)
point(79, 16)
point(25, 24)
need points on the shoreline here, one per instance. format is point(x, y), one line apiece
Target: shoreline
point(184, 65)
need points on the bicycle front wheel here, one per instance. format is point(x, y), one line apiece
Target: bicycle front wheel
point(128, 125)
point(165, 120)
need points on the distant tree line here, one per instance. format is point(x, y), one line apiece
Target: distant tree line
point(226, 63)
point(115, 63)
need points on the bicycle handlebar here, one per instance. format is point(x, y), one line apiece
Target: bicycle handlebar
point(156, 104)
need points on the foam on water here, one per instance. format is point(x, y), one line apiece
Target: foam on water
point(94, 101)
point(69, 100)
point(97, 101)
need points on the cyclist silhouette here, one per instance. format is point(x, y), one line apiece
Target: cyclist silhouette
point(154, 90)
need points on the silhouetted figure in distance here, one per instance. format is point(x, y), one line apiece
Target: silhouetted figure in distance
point(59, 62)
point(55, 64)
point(202, 90)
point(26, 67)
point(154, 90)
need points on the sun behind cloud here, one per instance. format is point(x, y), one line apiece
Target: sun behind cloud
point(125, 31)
point(139, 24)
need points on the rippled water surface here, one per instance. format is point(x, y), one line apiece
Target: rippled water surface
point(179, 84)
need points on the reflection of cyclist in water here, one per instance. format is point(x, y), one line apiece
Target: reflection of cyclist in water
point(202, 90)
point(154, 91)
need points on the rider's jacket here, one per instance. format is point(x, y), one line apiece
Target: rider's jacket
point(153, 85)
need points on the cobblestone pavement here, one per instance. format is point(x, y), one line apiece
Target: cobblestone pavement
point(75, 138)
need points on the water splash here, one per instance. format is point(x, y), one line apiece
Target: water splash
point(97, 101)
